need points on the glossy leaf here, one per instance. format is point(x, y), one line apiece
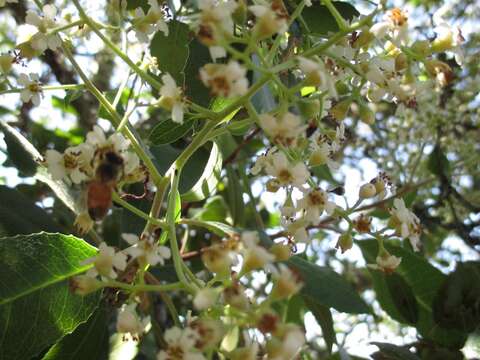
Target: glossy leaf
point(320, 21)
point(424, 280)
point(324, 286)
point(168, 131)
point(393, 352)
point(36, 305)
point(172, 51)
point(17, 153)
point(20, 215)
point(88, 341)
point(323, 315)
point(207, 183)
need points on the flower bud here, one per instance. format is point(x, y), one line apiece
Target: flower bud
point(367, 115)
point(309, 108)
point(340, 110)
point(84, 285)
point(6, 62)
point(367, 191)
point(281, 251)
point(205, 298)
point(345, 242)
point(341, 88)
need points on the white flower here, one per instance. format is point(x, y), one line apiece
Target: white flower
point(105, 262)
point(321, 153)
point(285, 172)
point(386, 262)
point(284, 129)
point(171, 98)
point(97, 139)
point(205, 298)
point(31, 88)
point(317, 75)
point(226, 80)
point(153, 21)
point(42, 40)
point(3, 2)
point(285, 282)
point(180, 345)
point(215, 22)
point(314, 203)
point(271, 19)
point(254, 255)
point(292, 341)
point(406, 223)
point(148, 250)
point(395, 24)
point(128, 322)
point(448, 38)
point(73, 163)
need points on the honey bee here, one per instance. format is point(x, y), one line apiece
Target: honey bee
point(99, 190)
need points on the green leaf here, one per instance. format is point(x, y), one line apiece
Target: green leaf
point(172, 51)
point(438, 163)
point(323, 315)
point(168, 131)
point(20, 215)
point(214, 209)
point(71, 95)
point(88, 341)
point(320, 21)
point(36, 305)
point(324, 286)
point(194, 88)
point(457, 303)
point(394, 352)
point(208, 181)
point(215, 227)
point(403, 297)
point(235, 196)
point(16, 151)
